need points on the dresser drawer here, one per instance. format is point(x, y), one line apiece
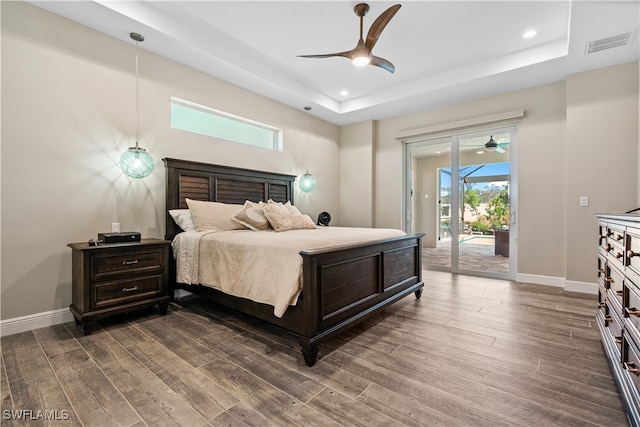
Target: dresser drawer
point(631, 363)
point(616, 288)
point(106, 265)
point(123, 291)
point(632, 308)
point(633, 251)
point(613, 331)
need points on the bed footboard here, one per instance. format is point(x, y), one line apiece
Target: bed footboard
point(343, 287)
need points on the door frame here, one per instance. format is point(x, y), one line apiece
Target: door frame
point(453, 138)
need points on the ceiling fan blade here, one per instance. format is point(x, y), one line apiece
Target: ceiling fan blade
point(379, 24)
point(346, 54)
point(382, 63)
point(500, 150)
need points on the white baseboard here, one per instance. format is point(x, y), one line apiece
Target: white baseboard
point(582, 287)
point(540, 280)
point(559, 282)
point(34, 321)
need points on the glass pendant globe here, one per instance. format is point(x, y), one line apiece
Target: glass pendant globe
point(136, 162)
point(307, 183)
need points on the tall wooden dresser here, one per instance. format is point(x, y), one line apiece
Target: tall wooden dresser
point(618, 315)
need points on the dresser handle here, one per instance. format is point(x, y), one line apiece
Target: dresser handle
point(608, 247)
point(135, 288)
point(618, 340)
point(620, 293)
point(619, 237)
point(135, 261)
point(602, 305)
point(601, 271)
point(632, 311)
point(608, 319)
point(609, 279)
point(631, 253)
point(630, 366)
point(619, 255)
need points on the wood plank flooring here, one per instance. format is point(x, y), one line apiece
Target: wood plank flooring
point(471, 352)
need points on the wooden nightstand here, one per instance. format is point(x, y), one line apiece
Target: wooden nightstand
point(118, 277)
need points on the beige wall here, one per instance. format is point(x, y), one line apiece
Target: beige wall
point(564, 140)
point(602, 161)
point(68, 97)
point(356, 174)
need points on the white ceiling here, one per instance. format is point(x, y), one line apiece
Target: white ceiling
point(444, 51)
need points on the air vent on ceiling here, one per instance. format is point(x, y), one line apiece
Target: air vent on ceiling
point(610, 42)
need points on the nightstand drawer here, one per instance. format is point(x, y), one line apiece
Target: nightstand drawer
point(122, 291)
point(134, 261)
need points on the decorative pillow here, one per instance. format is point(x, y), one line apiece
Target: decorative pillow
point(213, 215)
point(275, 207)
point(252, 216)
point(183, 218)
point(292, 209)
point(284, 222)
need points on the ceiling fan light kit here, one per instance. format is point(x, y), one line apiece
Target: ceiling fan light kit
point(361, 54)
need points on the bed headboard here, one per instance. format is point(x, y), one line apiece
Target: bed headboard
point(225, 184)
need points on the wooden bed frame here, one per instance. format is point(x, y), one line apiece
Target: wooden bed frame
point(341, 286)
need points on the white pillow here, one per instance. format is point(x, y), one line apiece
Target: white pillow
point(252, 216)
point(183, 218)
point(214, 215)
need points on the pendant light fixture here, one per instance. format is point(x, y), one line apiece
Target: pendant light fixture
point(136, 162)
point(307, 182)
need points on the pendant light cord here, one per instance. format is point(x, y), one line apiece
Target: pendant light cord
point(138, 38)
point(137, 98)
point(307, 108)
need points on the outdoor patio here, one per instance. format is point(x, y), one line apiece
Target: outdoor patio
point(477, 252)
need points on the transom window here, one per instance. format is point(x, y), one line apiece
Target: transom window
point(191, 117)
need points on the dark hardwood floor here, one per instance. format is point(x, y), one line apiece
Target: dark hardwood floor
point(471, 352)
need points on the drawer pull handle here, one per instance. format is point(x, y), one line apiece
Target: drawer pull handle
point(608, 319)
point(602, 305)
point(608, 247)
point(601, 270)
point(132, 262)
point(618, 340)
point(619, 255)
point(631, 253)
point(630, 367)
point(619, 237)
point(620, 293)
point(135, 288)
point(632, 311)
point(609, 280)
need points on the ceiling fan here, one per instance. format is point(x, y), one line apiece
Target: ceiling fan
point(492, 145)
point(361, 54)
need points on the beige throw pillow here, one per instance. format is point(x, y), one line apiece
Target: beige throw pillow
point(284, 222)
point(213, 215)
point(252, 216)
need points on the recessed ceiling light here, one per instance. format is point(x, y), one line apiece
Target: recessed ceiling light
point(344, 92)
point(529, 33)
point(479, 152)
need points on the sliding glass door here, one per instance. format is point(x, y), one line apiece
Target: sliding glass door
point(459, 191)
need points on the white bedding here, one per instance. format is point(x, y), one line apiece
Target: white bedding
point(263, 266)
